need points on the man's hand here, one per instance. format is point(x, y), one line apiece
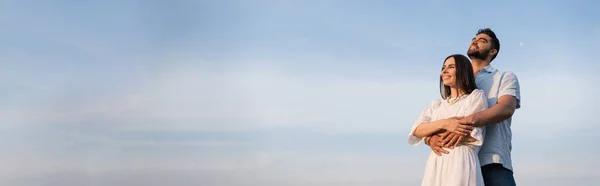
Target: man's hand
point(451, 140)
point(435, 142)
point(469, 139)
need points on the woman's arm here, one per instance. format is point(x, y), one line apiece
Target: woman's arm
point(428, 128)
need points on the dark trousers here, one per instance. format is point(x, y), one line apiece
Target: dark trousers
point(496, 175)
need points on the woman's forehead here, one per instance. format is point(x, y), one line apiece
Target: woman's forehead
point(449, 61)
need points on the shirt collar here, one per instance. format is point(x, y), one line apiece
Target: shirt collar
point(488, 69)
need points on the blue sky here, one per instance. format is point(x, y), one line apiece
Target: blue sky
point(277, 92)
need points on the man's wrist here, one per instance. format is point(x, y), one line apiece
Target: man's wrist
point(472, 120)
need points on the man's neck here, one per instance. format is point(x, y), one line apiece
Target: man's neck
point(479, 64)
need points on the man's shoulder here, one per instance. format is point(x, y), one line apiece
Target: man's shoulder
point(507, 72)
point(507, 75)
point(504, 74)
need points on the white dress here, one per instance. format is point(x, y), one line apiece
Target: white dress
point(460, 167)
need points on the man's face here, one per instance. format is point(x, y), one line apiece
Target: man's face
point(481, 47)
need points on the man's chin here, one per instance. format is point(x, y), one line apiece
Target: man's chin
point(476, 56)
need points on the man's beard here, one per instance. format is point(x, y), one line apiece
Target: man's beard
point(476, 54)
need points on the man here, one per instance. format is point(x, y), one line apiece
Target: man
point(503, 92)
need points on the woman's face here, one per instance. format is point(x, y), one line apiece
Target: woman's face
point(448, 73)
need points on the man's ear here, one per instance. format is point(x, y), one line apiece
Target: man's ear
point(493, 52)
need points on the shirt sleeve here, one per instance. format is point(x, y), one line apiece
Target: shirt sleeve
point(510, 86)
point(477, 103)
point(424, 117)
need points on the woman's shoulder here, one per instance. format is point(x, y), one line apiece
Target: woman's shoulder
point(476, 94)
point(435, 104)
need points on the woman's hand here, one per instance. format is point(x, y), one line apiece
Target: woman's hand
point(453, 125)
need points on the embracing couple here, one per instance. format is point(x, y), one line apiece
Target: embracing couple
point(468, 128)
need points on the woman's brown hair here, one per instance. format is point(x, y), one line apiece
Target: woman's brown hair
point(465, 79)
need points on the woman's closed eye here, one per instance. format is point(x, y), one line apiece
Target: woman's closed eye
point(449, 67)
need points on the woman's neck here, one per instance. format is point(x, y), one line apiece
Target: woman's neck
point(454, 92)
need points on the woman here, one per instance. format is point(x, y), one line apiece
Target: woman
point(459, 97)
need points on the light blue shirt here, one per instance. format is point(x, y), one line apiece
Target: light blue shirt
point(497, 144)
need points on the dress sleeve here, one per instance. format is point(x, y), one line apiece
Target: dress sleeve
point(424, 117)
point(477, 102)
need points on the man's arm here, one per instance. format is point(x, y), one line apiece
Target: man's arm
point(509, 97)
point(504, 109)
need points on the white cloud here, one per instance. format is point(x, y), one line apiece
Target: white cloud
point(254, 97)
point(251, 97)
point(554, 102)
